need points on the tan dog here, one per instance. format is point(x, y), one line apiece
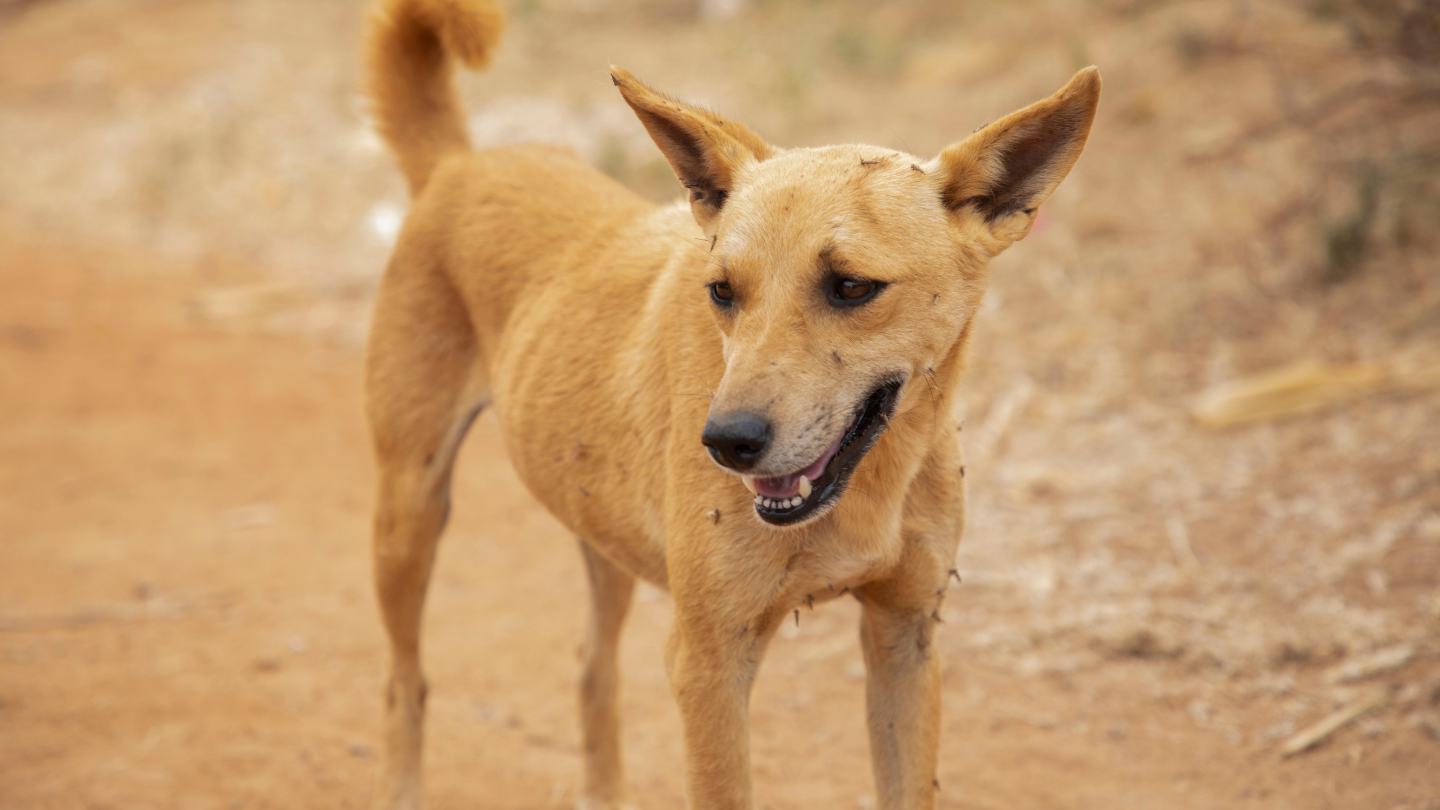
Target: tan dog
point(808, 335)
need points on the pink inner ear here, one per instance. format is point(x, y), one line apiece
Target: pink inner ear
point(1041, 222)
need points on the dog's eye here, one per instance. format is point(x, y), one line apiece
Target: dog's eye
point(721, 294)
point(852, 292)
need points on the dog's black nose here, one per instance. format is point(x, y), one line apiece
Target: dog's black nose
point(737, 439)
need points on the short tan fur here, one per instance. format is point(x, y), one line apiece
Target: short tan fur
point(817, 293)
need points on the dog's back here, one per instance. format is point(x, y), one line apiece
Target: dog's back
point(498, 261)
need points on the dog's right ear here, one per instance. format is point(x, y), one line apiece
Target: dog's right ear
point(999, 176)
point(706, 151)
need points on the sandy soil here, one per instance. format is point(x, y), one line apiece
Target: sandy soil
point(1151, 609)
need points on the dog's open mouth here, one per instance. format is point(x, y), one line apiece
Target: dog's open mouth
point(787, 499)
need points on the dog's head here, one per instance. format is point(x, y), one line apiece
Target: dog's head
point(841, 277)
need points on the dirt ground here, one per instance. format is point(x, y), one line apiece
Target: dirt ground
point(1155, 602)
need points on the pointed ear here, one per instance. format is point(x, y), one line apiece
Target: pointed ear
point(706, 151)
point(1003, 172)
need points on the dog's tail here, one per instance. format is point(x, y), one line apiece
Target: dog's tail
point(408, 57)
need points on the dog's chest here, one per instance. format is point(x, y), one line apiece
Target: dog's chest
point(838, 564)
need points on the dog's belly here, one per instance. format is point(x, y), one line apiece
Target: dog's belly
point(553, 284)
point(589, 474)
point(585, 431)
point(593, 489)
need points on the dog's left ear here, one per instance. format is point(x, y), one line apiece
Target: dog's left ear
point(1003, 172)
point(706, 151)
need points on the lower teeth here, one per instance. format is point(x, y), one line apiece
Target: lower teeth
point(783, 503)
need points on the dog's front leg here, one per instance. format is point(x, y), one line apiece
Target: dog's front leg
point(902, 697)
point(712, 667)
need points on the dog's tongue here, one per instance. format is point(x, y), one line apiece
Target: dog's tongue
point(781, 486)
point(788, 486)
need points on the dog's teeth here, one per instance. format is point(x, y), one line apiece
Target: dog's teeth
point(759, 501)
point(796, 501)
point(805, 487)
point(749, 482)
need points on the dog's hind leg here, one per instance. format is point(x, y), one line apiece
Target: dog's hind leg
point(610, 592)
point(423, 391)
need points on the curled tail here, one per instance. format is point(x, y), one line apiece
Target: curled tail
point(408, 56)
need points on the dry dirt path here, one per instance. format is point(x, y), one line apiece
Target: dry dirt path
point(186, 619)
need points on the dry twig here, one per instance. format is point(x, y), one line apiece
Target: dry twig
point(1312, 736)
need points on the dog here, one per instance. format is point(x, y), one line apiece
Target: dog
point(745, 397)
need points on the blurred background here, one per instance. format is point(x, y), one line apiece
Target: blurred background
point(1202, 417)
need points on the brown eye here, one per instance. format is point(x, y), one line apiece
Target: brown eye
point(721, 294)
point(852, 292)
